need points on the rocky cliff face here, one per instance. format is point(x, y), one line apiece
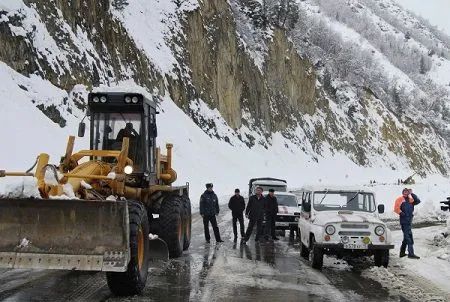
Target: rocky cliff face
point(71, 43)
point(87, 44)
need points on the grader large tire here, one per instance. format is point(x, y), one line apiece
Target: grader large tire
point(133, 281)
point(187, 222)
point(171, 228)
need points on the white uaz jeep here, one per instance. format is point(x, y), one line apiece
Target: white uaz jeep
point(342, 222)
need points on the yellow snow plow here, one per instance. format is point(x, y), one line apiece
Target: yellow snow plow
point(111, 208)
point(64, 234)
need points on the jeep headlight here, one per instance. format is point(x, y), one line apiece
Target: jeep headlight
point(379, 230)
point(296, 218)
point(330, 230)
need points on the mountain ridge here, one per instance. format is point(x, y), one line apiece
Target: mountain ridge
point(238, 81)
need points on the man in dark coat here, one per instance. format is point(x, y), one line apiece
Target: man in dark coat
point(271, 208)
point(209, 208)
point(128, 131)
point(404, 207)
point(255, 212)
point(237, 207)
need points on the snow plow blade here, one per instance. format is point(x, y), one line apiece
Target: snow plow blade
point(158, 250)
point(64, 234)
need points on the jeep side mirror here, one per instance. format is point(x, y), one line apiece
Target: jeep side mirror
point(81, 129)
point(307, 207)
point(381, 208)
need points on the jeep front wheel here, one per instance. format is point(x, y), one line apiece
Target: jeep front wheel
point(381, 258)
point(304, 251)
point(316, 255)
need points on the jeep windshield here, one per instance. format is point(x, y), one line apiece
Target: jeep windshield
point(344, 200)
point(286, 200)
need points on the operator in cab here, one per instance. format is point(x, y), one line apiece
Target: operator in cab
point(128, 131)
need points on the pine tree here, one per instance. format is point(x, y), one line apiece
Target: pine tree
point(422, 68)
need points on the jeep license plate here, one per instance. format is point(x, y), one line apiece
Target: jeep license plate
point(354, 246)
point(282, 223)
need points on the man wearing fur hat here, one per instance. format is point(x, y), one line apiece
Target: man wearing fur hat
point(209, 208)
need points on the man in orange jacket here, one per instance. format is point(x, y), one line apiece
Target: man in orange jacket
point(404, 207)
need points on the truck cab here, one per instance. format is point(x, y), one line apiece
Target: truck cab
point(115, 115)
point(266, 183)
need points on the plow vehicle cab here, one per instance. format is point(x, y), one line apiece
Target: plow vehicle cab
point(111, 208)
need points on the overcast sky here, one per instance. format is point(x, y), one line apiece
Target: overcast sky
point(436, 11)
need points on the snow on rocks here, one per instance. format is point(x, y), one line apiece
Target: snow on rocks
point(150, 23)
point(24, 243)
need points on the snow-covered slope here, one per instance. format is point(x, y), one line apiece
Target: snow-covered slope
point(351, 137)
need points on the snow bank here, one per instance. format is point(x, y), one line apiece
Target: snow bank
point(412, 277)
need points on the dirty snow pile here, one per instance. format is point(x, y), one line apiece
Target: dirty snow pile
point(442, 241)
point(425, 279)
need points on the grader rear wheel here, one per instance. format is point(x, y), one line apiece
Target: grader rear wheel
point(133, 281)
point(171, 228)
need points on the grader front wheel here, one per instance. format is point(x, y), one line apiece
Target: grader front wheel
point(133, 281)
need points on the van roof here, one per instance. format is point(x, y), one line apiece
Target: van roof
point(269, 182)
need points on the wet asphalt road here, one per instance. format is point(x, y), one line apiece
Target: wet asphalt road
point(212, 272)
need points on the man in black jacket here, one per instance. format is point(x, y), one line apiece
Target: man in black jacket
point(237, 207)
point(271, 207)
point(255, 212)
point(209, 208)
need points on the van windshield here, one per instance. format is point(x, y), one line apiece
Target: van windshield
point(267, 187)
point(340, 200)
point(287, 200)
